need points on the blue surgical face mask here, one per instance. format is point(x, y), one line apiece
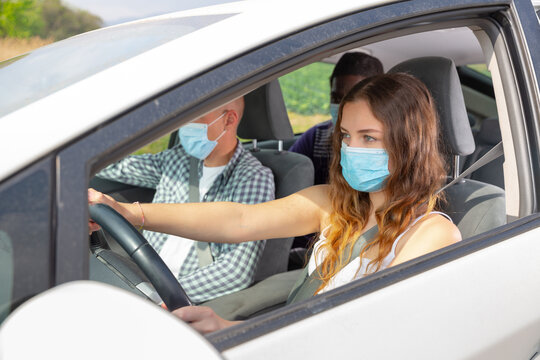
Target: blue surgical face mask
point(364, 169)
point(334, 109)
point(194, 139)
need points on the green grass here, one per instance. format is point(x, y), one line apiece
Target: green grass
point(481, 68)
point(301, 123)
point(306, 91)
point(155, 147)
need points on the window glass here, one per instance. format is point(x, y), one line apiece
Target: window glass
point(480, 68)
point(25, 242)
point(154, 147)
point(67, 63)
point(306, 92)
point(6, 273)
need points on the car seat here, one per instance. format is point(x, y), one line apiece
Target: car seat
point(265, 118)
point(474, 206)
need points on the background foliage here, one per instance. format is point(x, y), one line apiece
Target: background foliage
point(44, 18)
point(307, 90)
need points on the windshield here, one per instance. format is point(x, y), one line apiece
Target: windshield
point(37, 74)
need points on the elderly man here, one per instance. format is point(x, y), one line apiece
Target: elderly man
point(209, 164)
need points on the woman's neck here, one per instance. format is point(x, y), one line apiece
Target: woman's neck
point(377, 199)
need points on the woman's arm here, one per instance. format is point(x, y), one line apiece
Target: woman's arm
point(298, 214)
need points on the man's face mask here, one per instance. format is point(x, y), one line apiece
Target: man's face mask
point(334, 109)
point(194, 139)
point(364, 169)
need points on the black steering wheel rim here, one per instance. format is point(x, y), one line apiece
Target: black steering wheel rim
point(143, 254)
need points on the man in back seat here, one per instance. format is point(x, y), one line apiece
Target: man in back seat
point(225, 172)
point(315, 143)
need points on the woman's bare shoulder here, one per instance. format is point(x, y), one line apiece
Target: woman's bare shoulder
point(432, 233)
point(438, 224)
point(436, 231)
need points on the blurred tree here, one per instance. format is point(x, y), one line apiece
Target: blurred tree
point(20, 18)
point(44, 18)
point(61, 22)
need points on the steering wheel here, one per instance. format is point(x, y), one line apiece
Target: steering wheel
point(143, 254)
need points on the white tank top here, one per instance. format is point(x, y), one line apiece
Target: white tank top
point(357, 268)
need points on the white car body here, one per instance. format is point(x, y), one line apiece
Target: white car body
point(476, 300)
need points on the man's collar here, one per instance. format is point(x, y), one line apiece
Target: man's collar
point(227, 172)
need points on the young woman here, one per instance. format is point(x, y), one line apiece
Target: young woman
point(385, 172)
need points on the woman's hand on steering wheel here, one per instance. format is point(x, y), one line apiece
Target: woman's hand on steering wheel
point(96, 197)
point(103, 209)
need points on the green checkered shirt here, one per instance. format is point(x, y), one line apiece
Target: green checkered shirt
point(244, 180)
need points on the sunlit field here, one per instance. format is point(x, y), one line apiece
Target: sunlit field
point(11, 47)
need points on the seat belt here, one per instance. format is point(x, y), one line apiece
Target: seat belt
point(204, 252)
point(488, 157)
point(306, 285)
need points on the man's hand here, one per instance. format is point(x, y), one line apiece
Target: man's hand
point(203, 319)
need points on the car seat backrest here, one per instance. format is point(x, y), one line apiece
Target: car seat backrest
point(440, 76)
point(488, 136)
point(265, 118)
point(265, 115)
point(474, 206)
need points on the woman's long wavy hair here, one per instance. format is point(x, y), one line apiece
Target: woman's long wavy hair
point(405, 107)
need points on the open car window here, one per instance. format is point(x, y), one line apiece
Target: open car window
point(306, 93)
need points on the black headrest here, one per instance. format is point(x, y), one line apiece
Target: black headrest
point(490, 133)
point(440, 76)
point(265, 115)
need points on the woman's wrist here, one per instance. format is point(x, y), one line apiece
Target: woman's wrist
point(131, 212)
point(142, 214)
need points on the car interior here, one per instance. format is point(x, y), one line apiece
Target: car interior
point(469, 129)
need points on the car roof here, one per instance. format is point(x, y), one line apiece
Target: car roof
point(66, 107)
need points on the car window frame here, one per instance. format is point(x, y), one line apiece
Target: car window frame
point(165, 112)
point(524, 55)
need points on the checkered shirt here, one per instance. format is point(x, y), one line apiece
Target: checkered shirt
point(244, 180)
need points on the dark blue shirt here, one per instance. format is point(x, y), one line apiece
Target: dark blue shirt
point(316, 143)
